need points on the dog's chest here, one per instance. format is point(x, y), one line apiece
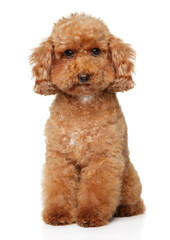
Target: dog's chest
point(80, 137)
point(82, 143)
point(83, 132)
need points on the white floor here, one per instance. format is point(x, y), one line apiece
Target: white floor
point(133, 228)
point(147, 226)
point(119, 229)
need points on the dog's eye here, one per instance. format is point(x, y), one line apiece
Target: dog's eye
point(95, 52)
point(69, 53)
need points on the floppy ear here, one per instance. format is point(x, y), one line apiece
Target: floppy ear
point(122, 56)
point(41, 59)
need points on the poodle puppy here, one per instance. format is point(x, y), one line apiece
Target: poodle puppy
point(88, 177)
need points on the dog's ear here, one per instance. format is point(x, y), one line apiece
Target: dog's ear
point(41, 59)
point(122, 56)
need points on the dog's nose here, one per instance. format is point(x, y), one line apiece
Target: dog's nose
point(84, 77)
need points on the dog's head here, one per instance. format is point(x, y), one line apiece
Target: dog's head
point(82, 58)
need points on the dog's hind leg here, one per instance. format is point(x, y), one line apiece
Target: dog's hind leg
point(131, 202)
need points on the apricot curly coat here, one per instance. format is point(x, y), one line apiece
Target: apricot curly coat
point(88, 176)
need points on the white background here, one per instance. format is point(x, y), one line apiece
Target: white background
point(23, 24)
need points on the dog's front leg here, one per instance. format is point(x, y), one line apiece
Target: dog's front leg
point(99, 191)
point(59, 190)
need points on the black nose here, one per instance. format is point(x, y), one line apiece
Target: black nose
point(84, 77)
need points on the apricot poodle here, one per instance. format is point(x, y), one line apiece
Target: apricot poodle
point(88, 177)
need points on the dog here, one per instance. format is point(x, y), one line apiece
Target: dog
point(88, 177)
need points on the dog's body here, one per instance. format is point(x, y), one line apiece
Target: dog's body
point(88, 177)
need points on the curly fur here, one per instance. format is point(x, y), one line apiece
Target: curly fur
point(88, 176)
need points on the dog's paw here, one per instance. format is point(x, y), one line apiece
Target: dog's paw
point(57, 217)
point(90, 218)
point(130, 210)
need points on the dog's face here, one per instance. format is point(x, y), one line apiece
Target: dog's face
point(82, 58)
